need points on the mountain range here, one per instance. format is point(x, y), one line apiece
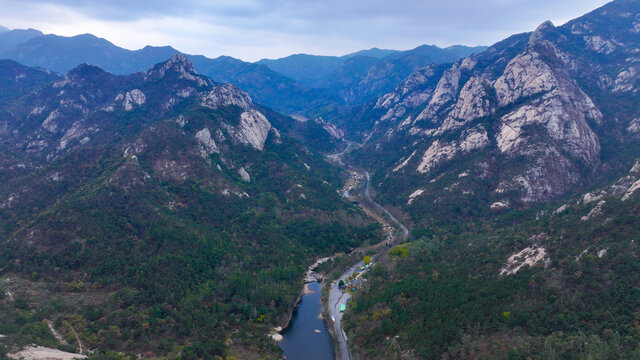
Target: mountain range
point(271, 82)
point(517, 170)
point(532, 118)
point(319, 71)
point(169, 207)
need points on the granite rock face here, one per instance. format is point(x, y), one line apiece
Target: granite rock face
point(253, 127)
point(543, 100)
point(71, 112)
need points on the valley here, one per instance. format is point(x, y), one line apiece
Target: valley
point(356, 189)
point(455, 203)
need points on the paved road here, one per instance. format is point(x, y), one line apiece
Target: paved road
point(336, 298)
point(405, 231)
point(337, 157)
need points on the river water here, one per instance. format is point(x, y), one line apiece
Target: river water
point(300, 340)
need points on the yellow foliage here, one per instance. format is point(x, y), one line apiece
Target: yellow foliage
point(399, 252)
point(76, 285)
point(380, 313)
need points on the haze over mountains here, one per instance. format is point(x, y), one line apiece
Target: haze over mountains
point(320, 84)
point(165, 205)
point(318, 71)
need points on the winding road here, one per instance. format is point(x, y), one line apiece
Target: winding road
point(336, 296)
point(405, 231)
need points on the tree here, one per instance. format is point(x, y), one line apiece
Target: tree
point(341, 284)
point(367, 260)
point(399, 252)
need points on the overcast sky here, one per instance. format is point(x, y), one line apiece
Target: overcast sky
point(255, 29)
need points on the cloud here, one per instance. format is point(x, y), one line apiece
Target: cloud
point(252, 29)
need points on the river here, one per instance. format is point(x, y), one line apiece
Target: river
point(306, 337)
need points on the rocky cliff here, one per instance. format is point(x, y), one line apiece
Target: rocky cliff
point(71, 111)
point(532, 117)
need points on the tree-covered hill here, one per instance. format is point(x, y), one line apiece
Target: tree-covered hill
point(159, 213)
point(451, 294)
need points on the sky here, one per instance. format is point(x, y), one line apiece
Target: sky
point(255, 29)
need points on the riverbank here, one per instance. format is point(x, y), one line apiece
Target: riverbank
point(334, 297)
point(359, 193)
point(310, 276)
point(307, 336)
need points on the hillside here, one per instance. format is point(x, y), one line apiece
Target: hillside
point(158, 213)
point(517, 170)
point(556, 287)
point(533, 118)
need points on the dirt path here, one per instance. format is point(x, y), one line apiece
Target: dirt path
point(80, 347)
point(55, 333)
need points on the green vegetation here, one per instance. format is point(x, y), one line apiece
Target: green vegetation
point(399, 252)
point(443, 293)
point(167, 265)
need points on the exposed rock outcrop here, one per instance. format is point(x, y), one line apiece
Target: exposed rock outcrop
point(439, 152)
point(253, 127)
point(529, 256)
point(208, 145)
point(133, 97)
point(444, 94)
point(244, 175)
point(227, 95)
point(532, 95)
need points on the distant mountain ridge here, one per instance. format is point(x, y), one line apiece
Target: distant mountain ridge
point(312, 69)
point(318, 70)
point(11, 38)
point(313, 86)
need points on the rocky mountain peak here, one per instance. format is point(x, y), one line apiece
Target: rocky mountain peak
point(180, 66)
point(540, 32)
point(253, 127)
point(226, 95)
point(469, 62)
point(534, 95)
point(180, 62)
